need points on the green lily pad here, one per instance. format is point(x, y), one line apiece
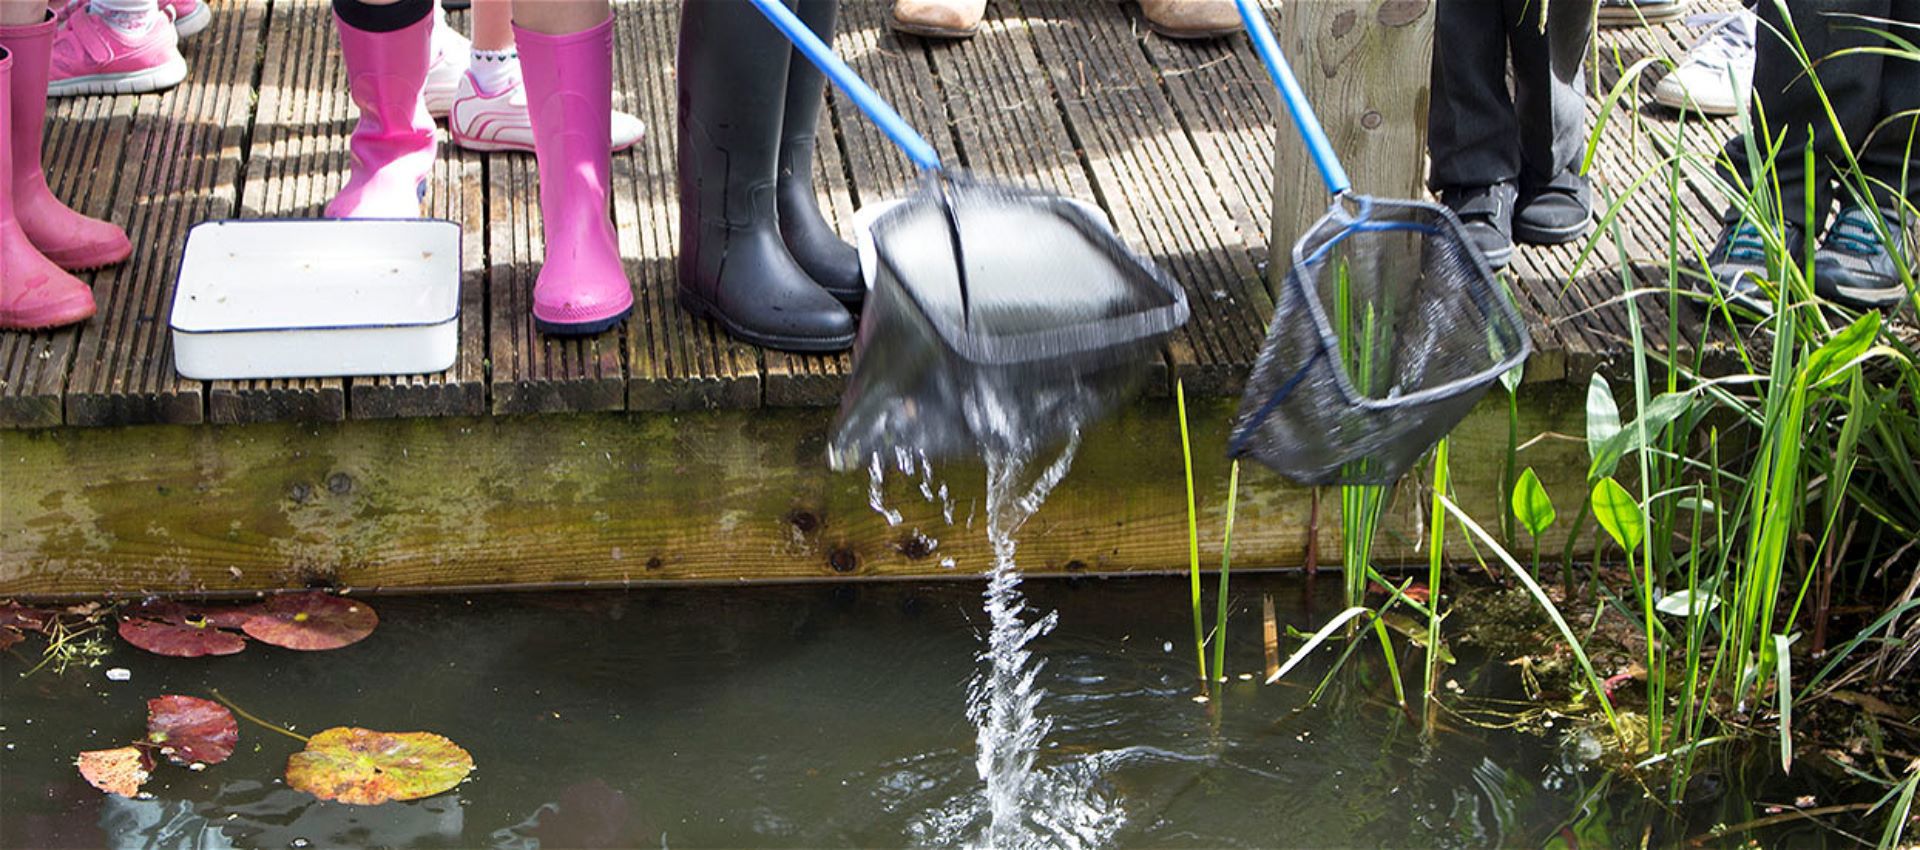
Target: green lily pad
point(363, 767)
point(121, 770)
point(190, 729)
point(311, 621)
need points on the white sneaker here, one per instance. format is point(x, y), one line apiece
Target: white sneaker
point(452, 53)
point(498, 121)
point(1716, 78)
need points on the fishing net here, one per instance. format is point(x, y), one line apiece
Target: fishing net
point(997, 319)
point(1389, 328)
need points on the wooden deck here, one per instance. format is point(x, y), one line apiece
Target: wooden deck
point(663, 451)
point(1175, 141)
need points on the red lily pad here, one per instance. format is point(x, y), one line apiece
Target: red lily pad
point(179, 640)
point(121, 770)
point(10, 636)
point(363, 767)
point(21, 618)
point(190, 729)
point(216, 616)
point(312, 621)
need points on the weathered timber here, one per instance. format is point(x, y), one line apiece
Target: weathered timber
point(1363, 65)
point(636, 498)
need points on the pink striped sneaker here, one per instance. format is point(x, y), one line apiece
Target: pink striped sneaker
point(479, 121)
point(91, 56)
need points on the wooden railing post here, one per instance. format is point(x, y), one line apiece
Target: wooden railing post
point(1364, 65)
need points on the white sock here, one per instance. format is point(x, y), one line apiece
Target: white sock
point(125, 15)
point(494, 70)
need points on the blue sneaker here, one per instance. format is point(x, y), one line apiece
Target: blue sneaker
point(1855, 268)
point(1737, 270)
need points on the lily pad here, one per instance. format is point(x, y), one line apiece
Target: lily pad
point(312, 621)
point(121, 770)
point(26, 619)
point(363, 767)
point(190, 729)
point(180, 640)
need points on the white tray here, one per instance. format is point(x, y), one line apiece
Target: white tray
point(306, 299)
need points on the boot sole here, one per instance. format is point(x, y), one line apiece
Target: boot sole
point(581, 328)
point(88, 262)
point(158, 78)
point(800, 345)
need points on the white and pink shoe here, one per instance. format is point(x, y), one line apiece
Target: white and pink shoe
point(498, 121)
point(451, 54)
point(189, 17)
point(134, 54)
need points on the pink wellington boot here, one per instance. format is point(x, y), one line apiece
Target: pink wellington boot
point(69, 239)
point(34, 293)
point(393, 143)
point(582, 288)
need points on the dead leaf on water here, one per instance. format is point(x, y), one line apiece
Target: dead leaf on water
point(121, 770)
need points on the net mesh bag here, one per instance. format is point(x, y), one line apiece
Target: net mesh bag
point(1058, 322)
point(1389, 328)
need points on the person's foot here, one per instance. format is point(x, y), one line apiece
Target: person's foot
point(189, 17)
point(1738, 273)
point(1716, 78)
point(1191, 18)
point(1855, 266)
point(115, 53)
point(938, 18)
point(452, 55)
point(1628, 13)
point(1486, 214)
point(1556, 213)
point(497, 120)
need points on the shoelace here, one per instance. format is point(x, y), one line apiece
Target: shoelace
point(1853, 233)
point(1745, 245)
point(1726, 45)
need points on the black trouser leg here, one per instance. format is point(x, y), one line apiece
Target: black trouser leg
point(1548, 84)
point(1472, 133)
point(1890, 156)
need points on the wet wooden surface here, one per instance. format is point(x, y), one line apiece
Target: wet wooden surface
point(1174, 141)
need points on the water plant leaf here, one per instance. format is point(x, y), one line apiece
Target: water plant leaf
point(1686, 603)
point(312, 621)
point(1531, 504)
point(10, 636)
point(1618, 513)
point(1314, 642)
point(121, 770)
point(190, 729)
point(1660, 412)
point(1603, 415)
point(1838, 355)
point(1784, 661)
point(19, 617)
point(179, 640)
point(363, 767)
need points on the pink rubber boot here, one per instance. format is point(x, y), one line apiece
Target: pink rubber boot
point(69, 239)
point(582, 289)
point(393, 143)
point(34, 293)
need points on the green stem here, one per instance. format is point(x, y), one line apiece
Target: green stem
point(248, 715)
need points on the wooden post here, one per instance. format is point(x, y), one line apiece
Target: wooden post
point(1364, 66)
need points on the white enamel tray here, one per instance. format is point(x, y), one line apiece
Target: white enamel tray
point(322, 298)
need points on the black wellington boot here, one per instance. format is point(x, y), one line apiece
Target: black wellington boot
point(828, 259)
point(734, 267)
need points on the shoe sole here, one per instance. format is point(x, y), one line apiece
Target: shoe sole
point(194, 22)
point(484, 146)
point(1192, 35)
point(931, 32)
point(1864, 299)
point(1632, 17)
point(799, 345)
point(1498, 260)
point(581, 328)
point(1682, 103)
point(1550, 236)
point(158, 78)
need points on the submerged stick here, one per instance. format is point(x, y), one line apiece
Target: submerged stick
point(249, 715)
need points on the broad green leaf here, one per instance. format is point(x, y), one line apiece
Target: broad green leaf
point(1531, 505)
point(366, 768)
point(1830, 362)
point(1618, 513)
point(1660, 412)
point(1603, 415)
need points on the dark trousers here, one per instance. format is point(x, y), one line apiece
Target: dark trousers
point(1478, 133)
point(1868, 93)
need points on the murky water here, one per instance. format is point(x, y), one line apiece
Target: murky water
point(815, 716)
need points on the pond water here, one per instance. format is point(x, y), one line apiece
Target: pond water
point(817, 716)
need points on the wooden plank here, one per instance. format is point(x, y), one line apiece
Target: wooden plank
point(718, 496)
point(534, 372)
point(675, 362)
point(184, 159)
point(84, 138)
point(1144, 170)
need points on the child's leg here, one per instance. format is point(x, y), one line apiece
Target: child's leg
point(1554, 204)
point(1471, 131)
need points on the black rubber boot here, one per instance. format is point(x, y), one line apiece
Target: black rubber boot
point(828, 259)
point(734, 267)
